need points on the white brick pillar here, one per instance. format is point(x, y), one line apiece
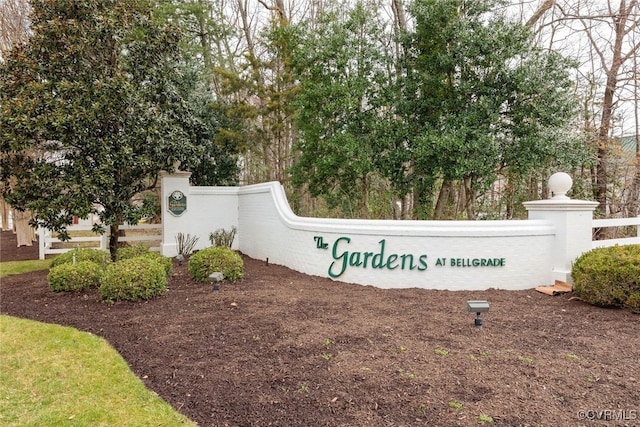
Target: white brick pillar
point(572, 220)
point(172, 224)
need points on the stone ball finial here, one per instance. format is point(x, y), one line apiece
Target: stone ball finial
point(559, 184)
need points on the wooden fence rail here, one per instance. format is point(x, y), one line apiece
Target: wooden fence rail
point(617, 222)
point(83, 236)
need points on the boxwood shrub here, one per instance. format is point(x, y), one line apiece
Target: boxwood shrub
point(219, 258)
point(609, 277)
point(75, 277)
point(166, 262)
point(133, 279)
point(82, 254)
point(128, 252)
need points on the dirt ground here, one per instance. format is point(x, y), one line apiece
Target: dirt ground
point(280, 348)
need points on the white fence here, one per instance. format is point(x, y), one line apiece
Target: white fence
point(81, 235)
point(617, 222)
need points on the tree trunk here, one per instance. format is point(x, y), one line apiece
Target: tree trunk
point(445, 197)
point(634, 196)
point(620, 20)
point(538, 13)
point(114, 234)
point(4, 212)
point(25, 234)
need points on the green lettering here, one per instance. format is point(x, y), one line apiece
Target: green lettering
point(367, 255)
point(423, 262)
point(343, 258)
point(404, 259)
point(378, 259)
point(354, 259)
point(391, 260)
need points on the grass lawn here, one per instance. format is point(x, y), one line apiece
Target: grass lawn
point(19, 267)
point(53, 375)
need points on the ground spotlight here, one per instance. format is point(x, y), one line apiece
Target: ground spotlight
point(215, 278)
point(477, 307)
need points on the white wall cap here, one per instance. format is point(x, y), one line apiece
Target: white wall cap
point(399, 227)
point(559, 184)
point(561, 205)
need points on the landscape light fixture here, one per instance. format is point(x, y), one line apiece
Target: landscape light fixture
point(477, 307)
point(216, 278)
point(180, 258)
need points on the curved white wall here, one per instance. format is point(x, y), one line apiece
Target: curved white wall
point(455, 255)
point(522, 250)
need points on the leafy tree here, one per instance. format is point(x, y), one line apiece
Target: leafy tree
point(92, 110)
point(478, 100)
point(217, 163)
point(341, 66)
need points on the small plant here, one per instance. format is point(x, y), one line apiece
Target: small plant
point(222, 237)
point(219, 258)
point(525, 359)
point(74, 277)
point(441, 352)
point(482, 418)
point(133, 279)
point(303, 388)
point(571, 356)
point(327, 342)
point(455, 405)
point(186, 244)
point(402, 349)
point(326, 356)
point(608, 277)
point(82, 254)
point(406, 374)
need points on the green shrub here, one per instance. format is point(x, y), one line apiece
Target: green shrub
point(133, 279)
point(74, 277)
point(609, 277)
point(219, 258)
point(128, 252)
point(166, 262)
point(82, 254)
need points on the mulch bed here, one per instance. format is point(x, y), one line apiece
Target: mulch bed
point(280, 348)
point(9, 251)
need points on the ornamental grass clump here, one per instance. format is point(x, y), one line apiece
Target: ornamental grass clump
point(133, 279)
point(75, 277)
point(219, 258)
point(609, 277)
point(98, 256)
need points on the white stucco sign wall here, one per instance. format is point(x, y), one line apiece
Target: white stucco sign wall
point(455, 255)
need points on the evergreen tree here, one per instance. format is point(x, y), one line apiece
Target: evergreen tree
point(92, 110)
